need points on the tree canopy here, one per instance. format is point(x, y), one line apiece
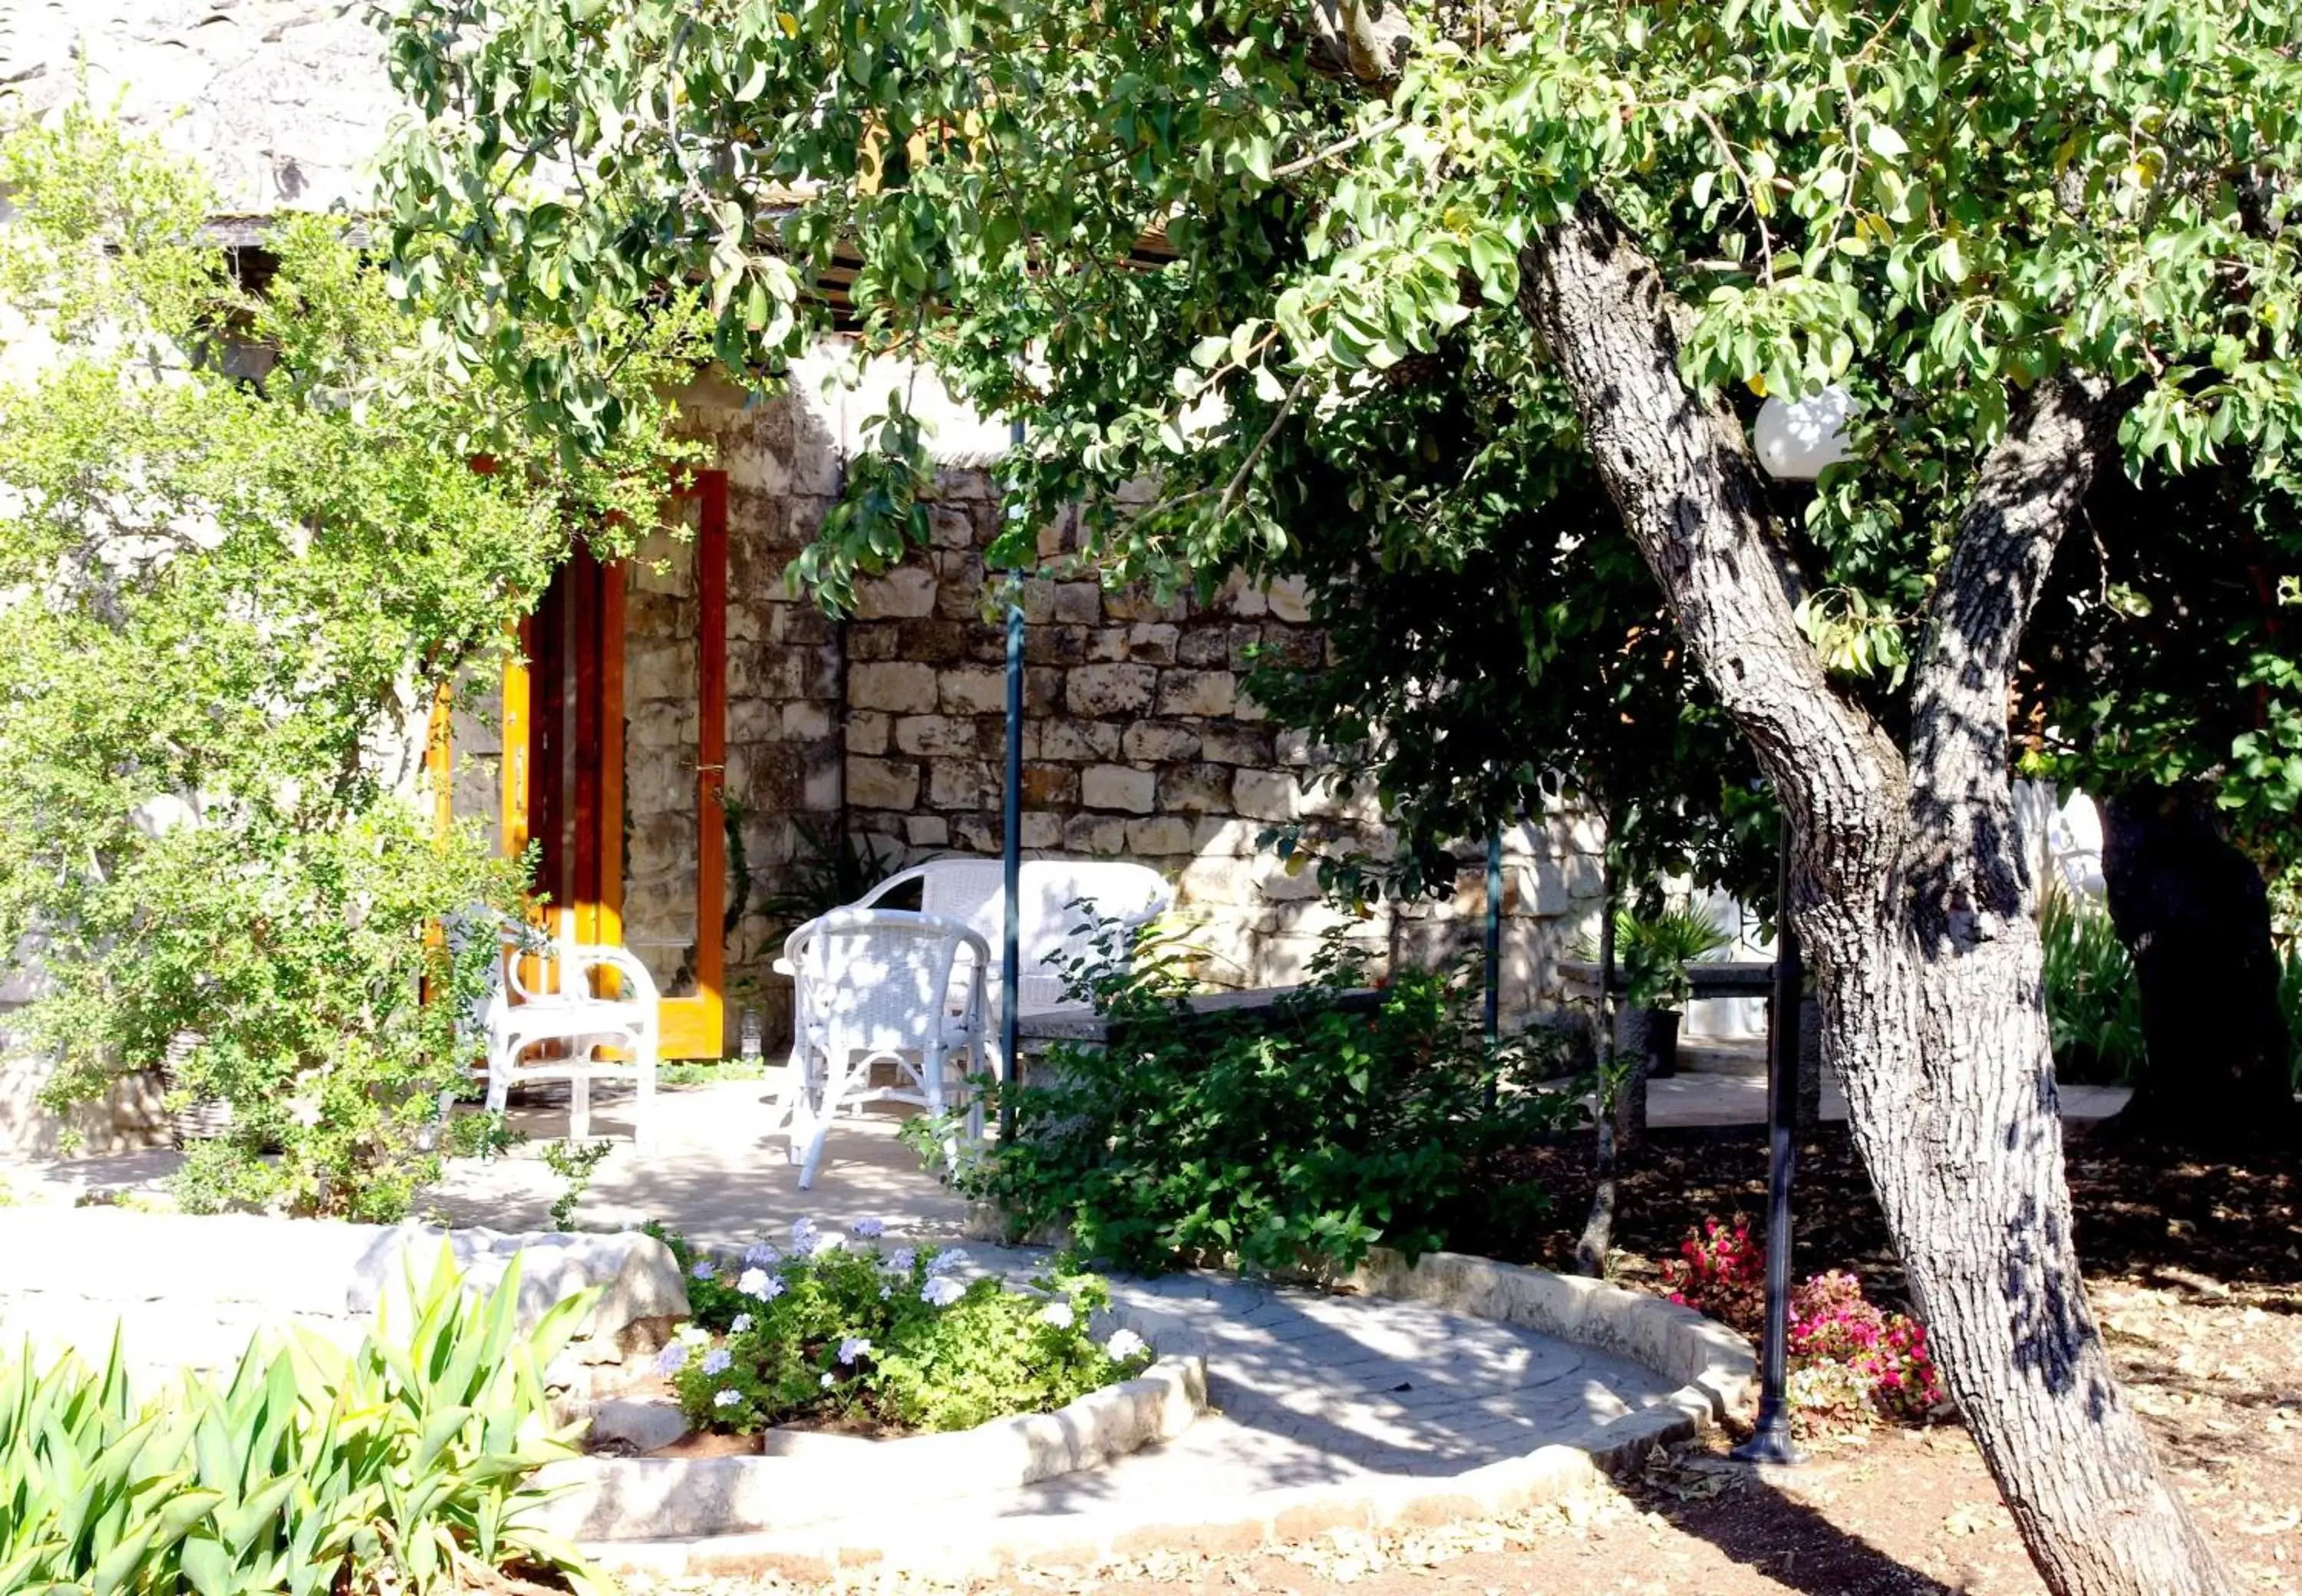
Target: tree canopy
point(1219, 247)
point(1162, 233)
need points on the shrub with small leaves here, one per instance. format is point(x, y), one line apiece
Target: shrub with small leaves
point(830, 1330)
point(1296, 1137)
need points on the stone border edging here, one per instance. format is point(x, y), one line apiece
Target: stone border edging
point(1717, 1368)
point(605, 1501)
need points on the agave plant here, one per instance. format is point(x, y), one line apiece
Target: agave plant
point(403, 1463)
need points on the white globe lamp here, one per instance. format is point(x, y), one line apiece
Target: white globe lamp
point(1796, 441)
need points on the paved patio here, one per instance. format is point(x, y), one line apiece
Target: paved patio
point(1309, 1388)
point(717, 1174)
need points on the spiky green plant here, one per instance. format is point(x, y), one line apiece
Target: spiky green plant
point(403, 1464)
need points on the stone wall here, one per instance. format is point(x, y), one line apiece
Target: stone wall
point(1140, 740)
point(284, 102)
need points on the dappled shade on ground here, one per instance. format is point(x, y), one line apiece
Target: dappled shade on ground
point(2141, 1216)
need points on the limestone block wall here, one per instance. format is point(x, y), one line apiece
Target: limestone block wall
point(1139, 742)
point(1142, 741)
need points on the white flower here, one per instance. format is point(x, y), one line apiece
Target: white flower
point(717, 1361)
point(760, 1283)
point(870, 1229)
point(828, 1380)
point(854, 1348)
point(944, 1262)
point(1123, 1345)
point(739, 1324)
point(825, 1243)
point(941, 1291)
point(304, 1111)
point(1057, 1314)
point(726, 1398)
point(902, 1259)
point(672, 1359)
point(885, 1292)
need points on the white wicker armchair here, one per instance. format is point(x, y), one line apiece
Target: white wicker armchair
point(540, 996)
point(1061, 900)
point(877, 987)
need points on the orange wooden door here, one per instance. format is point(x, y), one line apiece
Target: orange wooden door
point(568, 770)
point(695, 1017)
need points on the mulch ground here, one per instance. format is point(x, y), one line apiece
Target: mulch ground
point(2141, 1216)
point(2195, 1271)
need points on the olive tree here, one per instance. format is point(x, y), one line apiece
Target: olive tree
point(1207, 246)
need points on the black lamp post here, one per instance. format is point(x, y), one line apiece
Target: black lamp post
point(1771, 1437)
point(1011, 843)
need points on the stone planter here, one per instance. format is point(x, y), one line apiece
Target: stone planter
point(1651, 1034)
point(809, 1478)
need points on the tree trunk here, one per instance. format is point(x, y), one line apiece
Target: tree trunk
point(1910, 893)
point(2194, 914)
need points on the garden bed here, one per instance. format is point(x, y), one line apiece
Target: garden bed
point(825, 1371)
point(808, 1476)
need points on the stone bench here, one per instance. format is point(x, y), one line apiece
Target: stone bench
point(187, 1292)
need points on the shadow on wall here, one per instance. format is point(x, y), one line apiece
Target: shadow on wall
point(129, 1118)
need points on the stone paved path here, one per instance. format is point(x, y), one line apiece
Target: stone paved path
point(1313, 1388)
point(1309, 1388)
point(717, 1174)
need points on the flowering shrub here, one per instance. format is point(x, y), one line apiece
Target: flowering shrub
point(828, 1327)
point(1720, 1271)
point(1851, 1361)
point(1832, 1321)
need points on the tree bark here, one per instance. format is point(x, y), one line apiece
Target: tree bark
point(1910, 893)
point(2194, 914)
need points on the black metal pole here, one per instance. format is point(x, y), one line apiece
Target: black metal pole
point(1011, 847)
point(1495, 1027)
point(1770, 1436)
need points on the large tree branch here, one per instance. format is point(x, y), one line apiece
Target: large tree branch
point(1681, 472)
point(1966, 875)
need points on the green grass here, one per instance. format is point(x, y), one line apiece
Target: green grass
point(701, 1072)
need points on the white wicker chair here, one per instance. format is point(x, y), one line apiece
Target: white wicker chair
point(872, 987)
point(559, 1010)
point(1061, 900)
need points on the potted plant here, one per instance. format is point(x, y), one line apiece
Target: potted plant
point(1655, 951)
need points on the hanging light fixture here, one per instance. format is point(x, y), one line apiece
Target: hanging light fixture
point(1796, 441)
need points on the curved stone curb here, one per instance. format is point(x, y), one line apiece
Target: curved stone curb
point(1715, 1366)
point(608, 1500)
point(1717, 1369)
